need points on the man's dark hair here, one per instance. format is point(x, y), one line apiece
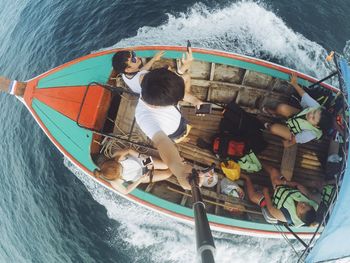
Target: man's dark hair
point(120, 61)
point(162, 87)
point(326, 121)
point(309, 217)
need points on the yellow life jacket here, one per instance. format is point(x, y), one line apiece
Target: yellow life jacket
point(298, 123)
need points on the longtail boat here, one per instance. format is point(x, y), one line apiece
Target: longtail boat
point(82, 107)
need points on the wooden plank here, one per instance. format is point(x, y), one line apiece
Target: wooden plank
point(256, 79)
point(212, 71)
point(228, 74)
point(288, 161)
point(226, 204)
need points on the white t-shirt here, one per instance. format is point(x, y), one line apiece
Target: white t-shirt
point(154, 119)
point(132, 168)
point(306, 135)
point(134, 82)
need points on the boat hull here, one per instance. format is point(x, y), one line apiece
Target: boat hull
point(54, 100)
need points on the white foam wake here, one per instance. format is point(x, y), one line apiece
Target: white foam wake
point(245, 27)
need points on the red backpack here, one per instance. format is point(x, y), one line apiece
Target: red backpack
point(225, 145)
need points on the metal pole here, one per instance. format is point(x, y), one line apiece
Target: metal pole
point(320, 81)
point(204, 238)
point(296, 236)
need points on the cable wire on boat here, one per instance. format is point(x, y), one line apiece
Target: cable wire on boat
point(279, 229)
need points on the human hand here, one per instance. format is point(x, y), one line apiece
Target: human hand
point(288, 143)
point(294, 79)
point(186, 61)
point(289, 183)
point(184, 179)
point(158, 55)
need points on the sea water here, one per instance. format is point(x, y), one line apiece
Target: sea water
point(49, 210)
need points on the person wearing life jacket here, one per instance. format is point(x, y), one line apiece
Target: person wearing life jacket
point(301, 126)
point(290, 203)
point(128, 165)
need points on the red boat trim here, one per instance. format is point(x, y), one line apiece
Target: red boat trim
point(198, 50)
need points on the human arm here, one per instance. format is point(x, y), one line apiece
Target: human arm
point(304, 136)
point(307, 101)
point(186, 62)
point(120, 155)
point(294, 83)
point(182, 71)
point(156, 57)
point(119, 186)
point(171, 157)
point(288, 143)
point(304, 190)
point(189, 97)
point(276, 213)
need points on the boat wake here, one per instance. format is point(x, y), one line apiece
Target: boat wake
point(246, 27)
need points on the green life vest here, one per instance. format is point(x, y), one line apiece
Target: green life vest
point(327, 194)
point(298, 123)
point(286, 197)
point(250, 163)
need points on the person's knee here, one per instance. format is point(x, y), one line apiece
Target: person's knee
point(276, 129)
point(282, 109)
point(281, 130)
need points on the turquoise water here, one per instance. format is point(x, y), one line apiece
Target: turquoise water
point(49, 211)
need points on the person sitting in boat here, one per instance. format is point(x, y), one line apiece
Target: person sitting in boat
point(302, 125)
point(291, 202)
point(129, 166)
point(130, 67)
point(159, 118)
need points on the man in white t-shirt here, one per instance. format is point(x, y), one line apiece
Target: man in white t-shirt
point(159, 118)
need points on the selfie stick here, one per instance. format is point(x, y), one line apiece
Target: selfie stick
point(204, 238)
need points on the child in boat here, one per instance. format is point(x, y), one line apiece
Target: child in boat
point(126, 166)
point(291, 202)
point(302, 125)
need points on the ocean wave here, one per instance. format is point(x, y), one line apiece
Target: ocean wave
point(246, 27)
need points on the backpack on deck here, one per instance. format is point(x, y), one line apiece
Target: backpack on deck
point(239, 133)
point(227, 146)
point(243, 126)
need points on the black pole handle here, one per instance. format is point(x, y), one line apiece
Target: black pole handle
point(204, 238)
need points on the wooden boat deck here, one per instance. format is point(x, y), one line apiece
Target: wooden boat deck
point(251, 90)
